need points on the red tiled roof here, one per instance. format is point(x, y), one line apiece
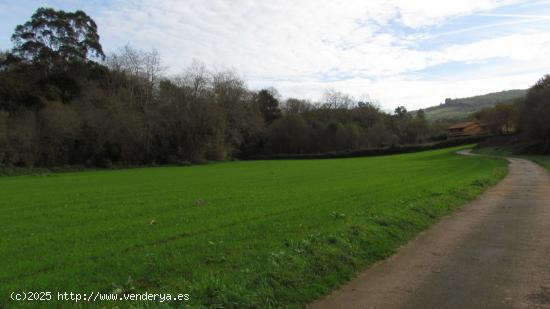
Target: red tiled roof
point(462, 125)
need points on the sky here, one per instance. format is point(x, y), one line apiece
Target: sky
point(412, 53)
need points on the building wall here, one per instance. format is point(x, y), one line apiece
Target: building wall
point(472, 130)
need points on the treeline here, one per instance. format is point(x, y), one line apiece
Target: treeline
point(528, 117)
point(486, 100)
point(453, 110)
point(64, 102)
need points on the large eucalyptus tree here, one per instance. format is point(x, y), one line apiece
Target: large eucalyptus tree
point(52, 36)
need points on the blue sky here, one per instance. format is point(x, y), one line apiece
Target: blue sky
point(399, 52)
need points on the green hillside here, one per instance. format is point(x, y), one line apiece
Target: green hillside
point(458, 109)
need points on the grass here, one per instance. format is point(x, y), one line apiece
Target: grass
point(543, 161)
point(237, 234)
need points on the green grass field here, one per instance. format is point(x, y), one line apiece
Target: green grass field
point(236, 234)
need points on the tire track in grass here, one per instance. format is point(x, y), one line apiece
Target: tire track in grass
point(162, 241)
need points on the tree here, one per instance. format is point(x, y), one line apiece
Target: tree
point(23, 138)
point(294, 106)
point(51, 37)
point(242, 119)
point(3, 59)
point(500, 119)
point(333, 99)
point(4, 145)
point(288, 135)
point(268, 105)
point(197, 80)
point(379, 135)
point(59, 128)
point(421, 125)
point(535, 112)
point(367, 114)
point(421, 115)
point(143, 69)
point(401, 112)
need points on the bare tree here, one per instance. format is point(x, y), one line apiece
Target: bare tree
point(293, 106)
point(142, 68)
point(197, 79)
point(333, 99)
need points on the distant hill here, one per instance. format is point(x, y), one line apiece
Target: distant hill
point(459, 109)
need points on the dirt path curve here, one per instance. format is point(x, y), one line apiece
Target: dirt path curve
point(492, 253)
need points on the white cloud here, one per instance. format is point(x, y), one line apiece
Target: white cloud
point(413, 93)
point(428, 12)
point(304, 46)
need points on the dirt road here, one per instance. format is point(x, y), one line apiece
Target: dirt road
point(492, 253)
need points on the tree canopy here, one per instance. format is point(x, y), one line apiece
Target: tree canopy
point(52, 36)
